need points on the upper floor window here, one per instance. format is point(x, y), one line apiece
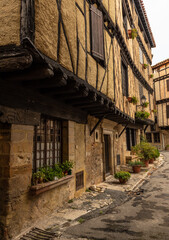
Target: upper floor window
point(141, 56)
point(167, 85)
point(47, 143)
point(167, 107)
point(124, 19)
point(97, 33)
point(124, 73)
point(140, 91)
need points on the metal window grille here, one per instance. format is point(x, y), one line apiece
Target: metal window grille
point(47, 143)
point(79, 180)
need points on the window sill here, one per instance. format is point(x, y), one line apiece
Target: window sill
point(43, 187)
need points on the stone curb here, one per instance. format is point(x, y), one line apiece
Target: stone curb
point(147, 175)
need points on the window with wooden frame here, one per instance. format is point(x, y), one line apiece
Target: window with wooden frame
point(140, 91)
point(167, 85)
point(149, 137)
point(167, 108)
point(156, 137)
point(124, 75)
point(124, 18)
point(47, 143)
point(141, 56)
point(97, 34)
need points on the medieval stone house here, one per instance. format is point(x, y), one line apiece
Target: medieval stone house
point(158, 134)
point(67, 69)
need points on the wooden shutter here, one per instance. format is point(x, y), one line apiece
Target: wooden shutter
point(167, 85)
point(124, 79)
point(167, 111)
point(97, 33)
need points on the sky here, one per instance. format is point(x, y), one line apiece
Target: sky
point(158, 16)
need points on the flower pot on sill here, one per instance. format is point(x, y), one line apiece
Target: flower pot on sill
point(136, 168)
point(129, 99)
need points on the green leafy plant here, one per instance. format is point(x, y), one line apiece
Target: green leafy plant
point(145, 65)
point(145, 151)
point(123, 175)
point(136, 163)
point(81, 220)
point(145, 104)
point(67, 167)
point(133, 100)
point(38, 177)
point(132, 33)
point(142, 114)
point(58, 171)
point(151, 75)
point(154, 110)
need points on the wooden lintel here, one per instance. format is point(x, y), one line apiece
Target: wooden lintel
point(19, 116)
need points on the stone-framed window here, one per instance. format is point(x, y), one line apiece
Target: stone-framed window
point(47, 143)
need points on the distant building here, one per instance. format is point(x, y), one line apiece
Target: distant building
point(160, 132)
point(68, 71)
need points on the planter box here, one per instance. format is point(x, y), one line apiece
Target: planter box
point(43, 187)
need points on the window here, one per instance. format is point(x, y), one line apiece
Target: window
point(156, 137)
point(124, 19)
point(153, 128)
point(140, 91)
point(47, 143)
point(149, 137)
point(149, 98)
point(141, 56)
point(167, 111)
point(124, 73)
point(97, 33)
point(167, 85)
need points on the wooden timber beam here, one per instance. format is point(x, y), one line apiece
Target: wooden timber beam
point(31, 74)
point(15, 61)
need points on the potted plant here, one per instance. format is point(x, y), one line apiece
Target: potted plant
point(136, 165)
point(154, 110)
point(67, 167)
point(132, 33)
point(142, 115)
point(122, 176)
point(167, 147)
point(151, 75)
point(145, 65)
point(145, 104)
point(38, 177)
point(133, 100)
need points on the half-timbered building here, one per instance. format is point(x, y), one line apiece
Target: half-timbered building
point(67, 69)
point(160, 133)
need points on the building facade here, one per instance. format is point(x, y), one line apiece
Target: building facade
point(67, 70)
point(161, 90)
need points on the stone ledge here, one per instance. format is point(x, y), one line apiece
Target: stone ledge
point(43, 187)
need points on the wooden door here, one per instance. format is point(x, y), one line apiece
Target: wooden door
point(107, 153)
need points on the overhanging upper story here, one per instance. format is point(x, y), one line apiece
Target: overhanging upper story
point(78, 54)
point(161, 88)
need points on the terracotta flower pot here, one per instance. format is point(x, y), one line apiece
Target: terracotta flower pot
point(136, 168)
point(129, 33)
point(122, 181)
point(146, 163)
point(129, 99)
point(151, 161)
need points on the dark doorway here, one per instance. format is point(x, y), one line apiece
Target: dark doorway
point(130, 138)
point(107, 153)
